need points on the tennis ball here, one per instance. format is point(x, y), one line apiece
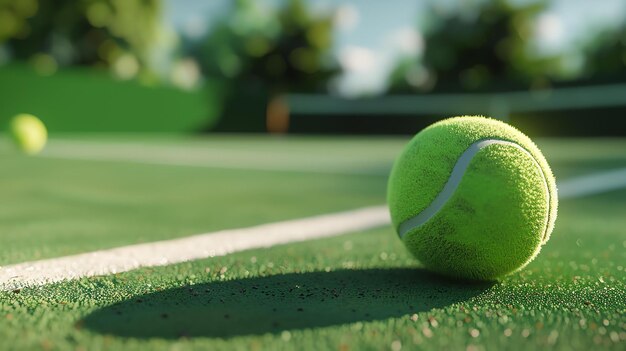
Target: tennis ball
point(472, 198)
point(29, 133)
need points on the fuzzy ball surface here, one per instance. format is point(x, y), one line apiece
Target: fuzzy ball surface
point(472, 198)
point(29, 133)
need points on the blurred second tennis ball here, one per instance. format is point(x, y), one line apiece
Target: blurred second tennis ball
point(29, 133)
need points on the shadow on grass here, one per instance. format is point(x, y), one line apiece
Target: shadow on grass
point(280, 302)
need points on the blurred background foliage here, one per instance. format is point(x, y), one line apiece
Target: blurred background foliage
point(489, 47)
point(258, 53)
point(114, 33)
point(455, 56)
point(285, 49)
point(605, 56)
point(255, 52)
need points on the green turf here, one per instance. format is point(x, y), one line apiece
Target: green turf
point(358, 291)
point(84, 100)
point(62, 207)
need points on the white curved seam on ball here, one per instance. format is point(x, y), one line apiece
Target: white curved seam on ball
point(458, 171)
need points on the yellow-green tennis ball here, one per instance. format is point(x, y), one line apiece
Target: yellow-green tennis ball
point(472, 198)
point(29, 133)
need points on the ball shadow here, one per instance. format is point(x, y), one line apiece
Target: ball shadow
point(279, 302)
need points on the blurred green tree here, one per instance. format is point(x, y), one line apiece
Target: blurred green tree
point(492, 45)
point(113, 33)
point(476, 48)
point(258, 53)
point(605, 55)
point(14, 16)
point(287, 49)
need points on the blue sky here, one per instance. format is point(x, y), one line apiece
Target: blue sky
point(372, 34)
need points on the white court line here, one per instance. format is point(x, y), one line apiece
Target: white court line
point(160, 160)
point(167, 252)
point(224, 242)
point(256, 160)
point(593, 184)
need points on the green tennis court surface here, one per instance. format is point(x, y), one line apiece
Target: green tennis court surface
point(356, 291)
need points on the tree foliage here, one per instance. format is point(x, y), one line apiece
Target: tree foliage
point(477, 48)
point(605, 57)
point(286, 49)
point(83, 32)
point(492, 46)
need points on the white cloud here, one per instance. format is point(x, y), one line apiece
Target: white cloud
point(549, 30)
point(195, 26)
point(357, 59)
point(347, 17)
point(407, 41)
point(364, 71)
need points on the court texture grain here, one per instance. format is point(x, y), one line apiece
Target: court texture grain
point(356, 291)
